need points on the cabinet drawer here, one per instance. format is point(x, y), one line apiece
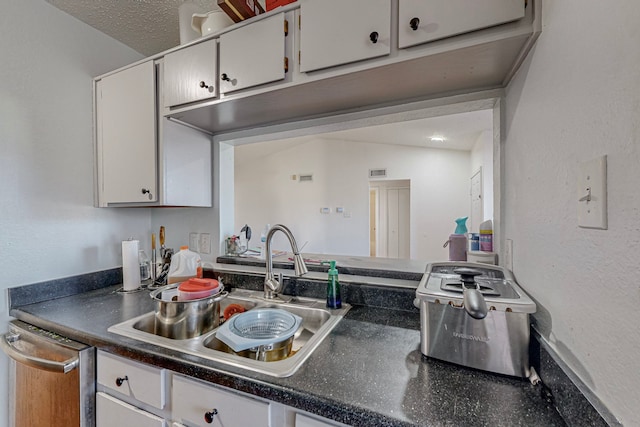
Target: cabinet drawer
point(111, 412)
point(192, 400)
point(421, 21)
point(304, 421)
point(136, 380)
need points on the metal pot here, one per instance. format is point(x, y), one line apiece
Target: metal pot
point(264, 353)
point(185, 319)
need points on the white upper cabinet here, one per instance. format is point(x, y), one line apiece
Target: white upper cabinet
point(143, 160)
point(336, 32)
point(253, 55)
point(126, 135)
point(421, 21)
point(190, 74)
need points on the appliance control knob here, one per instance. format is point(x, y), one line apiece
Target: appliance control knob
point(468, 276)
point(208, 416)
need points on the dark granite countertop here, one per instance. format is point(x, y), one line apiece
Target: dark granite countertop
point(368, 372)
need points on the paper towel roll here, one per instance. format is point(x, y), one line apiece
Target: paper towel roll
point(130, 265)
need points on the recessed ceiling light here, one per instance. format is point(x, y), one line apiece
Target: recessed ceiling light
point(437, 139)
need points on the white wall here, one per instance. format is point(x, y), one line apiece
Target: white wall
point(577, 97)
point(265, 193)
point(482, 157)
point(48, 225)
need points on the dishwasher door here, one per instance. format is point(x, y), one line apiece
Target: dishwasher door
point(51, 378)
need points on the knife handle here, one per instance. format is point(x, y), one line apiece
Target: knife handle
point(162, 236)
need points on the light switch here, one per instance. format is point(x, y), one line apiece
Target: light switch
point(592, 194)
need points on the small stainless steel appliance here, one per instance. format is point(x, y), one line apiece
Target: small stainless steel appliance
point(475, 315)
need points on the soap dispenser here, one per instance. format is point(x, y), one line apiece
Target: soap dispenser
point(334, 299)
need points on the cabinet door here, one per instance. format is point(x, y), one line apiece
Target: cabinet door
point(253, 55)
point(304, 421)
point(193, 401)
point(190, 74)
point(335, 32)
point(421, 21)
point(143, 383)
point(126, 135)
point(111, 412)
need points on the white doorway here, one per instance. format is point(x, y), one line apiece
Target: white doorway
point(391, 202)
point(477, 214)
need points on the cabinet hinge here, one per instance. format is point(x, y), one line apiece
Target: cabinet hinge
point(299, 22)
point(286, 64)
point(299, 58)
point(286, 28)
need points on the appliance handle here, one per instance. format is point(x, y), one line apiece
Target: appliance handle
point(35, 362)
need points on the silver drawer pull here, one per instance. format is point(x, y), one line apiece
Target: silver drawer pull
point(35, 362)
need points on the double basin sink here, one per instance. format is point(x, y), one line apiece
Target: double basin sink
point(317, 323)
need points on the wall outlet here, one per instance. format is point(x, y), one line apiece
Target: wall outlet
point(194, 242)
point(205, 243)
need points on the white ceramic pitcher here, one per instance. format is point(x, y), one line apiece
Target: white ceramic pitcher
point(207, 23)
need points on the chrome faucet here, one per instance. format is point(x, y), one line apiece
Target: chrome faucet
point(271, 285)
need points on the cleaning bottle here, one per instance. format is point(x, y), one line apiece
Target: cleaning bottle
point(334, 299)
point(263, 241)
point(486, 236)
point(458, 241)
point(184, 265)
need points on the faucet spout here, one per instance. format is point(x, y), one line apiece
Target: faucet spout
point(271, 285)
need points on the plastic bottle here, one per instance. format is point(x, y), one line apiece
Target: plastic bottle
point(458, 241)
point(184, 265)
point(263, 241)
point(334, 299)
point(486, 236)
point(145, 265)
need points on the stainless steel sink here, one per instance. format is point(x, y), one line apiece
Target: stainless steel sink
point(317, 322)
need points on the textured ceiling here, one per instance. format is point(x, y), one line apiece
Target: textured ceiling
point(147, 26)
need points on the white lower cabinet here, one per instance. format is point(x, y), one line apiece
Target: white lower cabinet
point(305, 421)
point(128, 379)
point(131, 393)
point(112, 412)
point(199, 404)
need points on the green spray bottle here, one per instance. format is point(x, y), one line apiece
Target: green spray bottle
point(334, 299)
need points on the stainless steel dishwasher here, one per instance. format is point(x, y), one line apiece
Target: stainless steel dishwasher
point(51, 378)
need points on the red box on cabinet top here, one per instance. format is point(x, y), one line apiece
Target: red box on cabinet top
point(272, 4)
